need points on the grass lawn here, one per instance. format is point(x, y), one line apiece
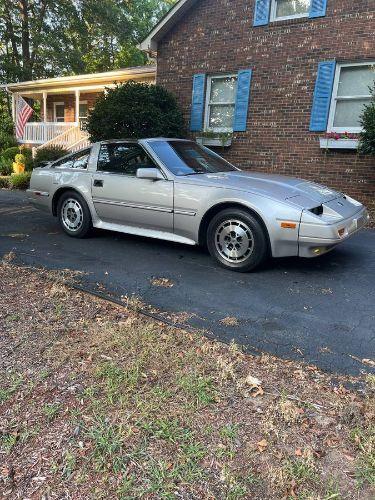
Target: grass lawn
point(96, 401)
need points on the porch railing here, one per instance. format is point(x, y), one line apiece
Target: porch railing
point(42, 132)
point(67, 139)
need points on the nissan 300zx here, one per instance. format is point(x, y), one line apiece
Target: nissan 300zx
point(177, 190)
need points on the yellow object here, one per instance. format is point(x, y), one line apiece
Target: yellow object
point(288, 225)
point(18, 168)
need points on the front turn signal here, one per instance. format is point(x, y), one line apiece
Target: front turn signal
point(288, 225)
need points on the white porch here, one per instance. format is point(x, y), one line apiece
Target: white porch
point(65, 102)
point(60, 105)
point(37, 133)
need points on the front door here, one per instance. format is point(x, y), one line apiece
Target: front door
point(120, 197)
point(59, 112)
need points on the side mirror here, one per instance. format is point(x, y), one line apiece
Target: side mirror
point(153, 174)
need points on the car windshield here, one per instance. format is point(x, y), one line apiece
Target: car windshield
point(188, 158)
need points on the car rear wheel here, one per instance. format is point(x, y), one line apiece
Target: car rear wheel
point(74, 215)
point(237, 240)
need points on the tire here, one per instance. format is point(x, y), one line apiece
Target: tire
point(237, 240)
point(74, 215)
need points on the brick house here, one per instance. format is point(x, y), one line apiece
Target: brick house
point(65, 103)
point(279, 74)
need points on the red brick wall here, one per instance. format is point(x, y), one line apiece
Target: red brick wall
point(69, 101)
point(217, 36)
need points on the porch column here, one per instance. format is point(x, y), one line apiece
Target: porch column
point(77, 106)
point(14, 107)
point(44, 107)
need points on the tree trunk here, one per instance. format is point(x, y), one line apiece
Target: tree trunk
point(25, 40)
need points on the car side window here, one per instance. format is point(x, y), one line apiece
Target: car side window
point(122, 158)
point(82, 160)
point(78, 160)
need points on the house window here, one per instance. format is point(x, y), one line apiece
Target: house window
point(289, 9)
point(220, 103)
point(83, 110)
point(351, 92)
point(59, 112)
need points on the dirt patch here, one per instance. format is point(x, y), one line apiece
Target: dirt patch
point(98, 402)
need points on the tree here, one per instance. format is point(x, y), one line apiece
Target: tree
point(367, 137)
point(135, 110)
point(46, 38)
point(21, 26)
point(6, 124)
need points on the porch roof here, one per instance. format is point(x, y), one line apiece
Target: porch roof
point(83, 81)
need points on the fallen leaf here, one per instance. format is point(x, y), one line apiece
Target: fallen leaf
point(229, 321)
point(253, 381)
point(369, 362)
point(298, 452)
point(257, 392)
point(262, 445)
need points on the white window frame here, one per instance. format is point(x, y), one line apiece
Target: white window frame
point(208, 103)
point(273, 16)
point(334, 99)
point(54, 111)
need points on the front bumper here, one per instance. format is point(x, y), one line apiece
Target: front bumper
point(319, 238)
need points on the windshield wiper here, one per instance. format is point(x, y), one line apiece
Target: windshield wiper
point(195, 173)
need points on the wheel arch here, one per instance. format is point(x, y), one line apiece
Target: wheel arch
point(223, 206)
point(57, 195)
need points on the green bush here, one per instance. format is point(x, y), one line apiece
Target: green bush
point(28, 154)
point(20, 181)
point(4, 181)
point(48, 154)
point(367, 137)
point(6, 166)
point(6, 141)
point(10, 153)
point(135, 110)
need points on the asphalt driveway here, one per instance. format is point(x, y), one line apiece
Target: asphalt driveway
point(321, 311)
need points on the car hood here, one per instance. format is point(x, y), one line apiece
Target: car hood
point(297, 191)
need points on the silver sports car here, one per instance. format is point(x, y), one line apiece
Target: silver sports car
point(179, 191)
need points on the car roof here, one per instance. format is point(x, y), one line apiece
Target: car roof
point(149, 139)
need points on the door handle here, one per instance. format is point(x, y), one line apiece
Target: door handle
point(98, 183)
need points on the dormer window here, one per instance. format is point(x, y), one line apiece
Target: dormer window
point(289, 9)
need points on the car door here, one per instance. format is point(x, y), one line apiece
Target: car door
point(122, 198)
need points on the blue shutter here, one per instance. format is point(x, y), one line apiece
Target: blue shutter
point(197, 105)
point(262, 12)
point(322, 96)
point(242, 100)
point(318, 8)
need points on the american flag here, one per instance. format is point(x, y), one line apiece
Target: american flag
point(23, 113)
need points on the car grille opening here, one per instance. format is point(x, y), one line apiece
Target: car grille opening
point(317, 210)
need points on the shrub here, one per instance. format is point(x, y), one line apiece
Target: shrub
point(4, 181)
point(10, 153)
point(135, 110)
point(20, 181)
point(6, 166)
point(6, 141)
point(48, 154)
point(20, 158)
point(367, 137)
point(28, 154)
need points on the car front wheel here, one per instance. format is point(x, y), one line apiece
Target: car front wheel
point(74, 214)
point(237, 240)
